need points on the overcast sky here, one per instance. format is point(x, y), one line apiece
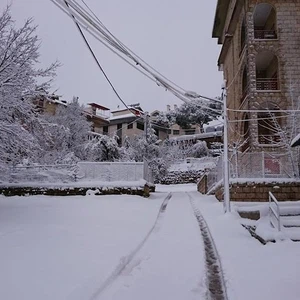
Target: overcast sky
point(173, 36)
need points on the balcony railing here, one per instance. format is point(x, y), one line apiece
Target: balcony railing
point(268, 139)
point(266, 84)
point(265, 34)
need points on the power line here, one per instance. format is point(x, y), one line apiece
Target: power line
point(96, 60)
point(94, 26)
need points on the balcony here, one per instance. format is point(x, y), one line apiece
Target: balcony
point(265, 34)
point(267, 84)
point(268, 139)
point(265, 22)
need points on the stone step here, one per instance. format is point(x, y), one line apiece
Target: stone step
point(292, 233)
point(290, 221)
point(289, 209)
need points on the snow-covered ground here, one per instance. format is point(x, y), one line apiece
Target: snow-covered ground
point(65, 247)
point(115, 247)
point(252, 270)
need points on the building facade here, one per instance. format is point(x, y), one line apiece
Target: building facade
point(260, 62)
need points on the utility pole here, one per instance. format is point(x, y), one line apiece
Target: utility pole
point(146, 131)
point(146, 124)
point(227, 207)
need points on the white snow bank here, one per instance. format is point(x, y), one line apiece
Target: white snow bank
point(252, 270)
point(91, 183)
point(64, 248)
point(190, 187)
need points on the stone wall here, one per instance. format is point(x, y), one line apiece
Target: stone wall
point(259, 192)
point(180, 177)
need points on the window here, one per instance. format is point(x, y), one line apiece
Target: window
point(169, 131)
point(140, 126)
point(267, 71)
point(130, 126)
point(105, 130)
point(175, 132)
point(264, 22)
point(190, 131)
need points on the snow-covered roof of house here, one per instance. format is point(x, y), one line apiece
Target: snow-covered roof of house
point(217, 122)
point(125, 116)
point(198, 136)
point(98, 106)
point(139, 111)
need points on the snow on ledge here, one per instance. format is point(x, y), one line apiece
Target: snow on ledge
point(264, 180)
point(79, 184)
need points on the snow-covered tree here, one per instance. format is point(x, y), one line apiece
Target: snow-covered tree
point(198, 150)
point(195, 112)
point(102, 148)
point(71, 128)
point(20, 127)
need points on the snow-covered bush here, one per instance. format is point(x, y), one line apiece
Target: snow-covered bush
point(102, 148)
point(198, 150)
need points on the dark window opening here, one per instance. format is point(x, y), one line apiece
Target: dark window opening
point(265, 22)
point(140, 126)
point(105, 130)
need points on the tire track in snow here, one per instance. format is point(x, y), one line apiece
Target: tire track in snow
point(127, 259)
point(216, 287)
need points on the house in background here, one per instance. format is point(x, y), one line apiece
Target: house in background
point(98, 115)
point(212, 133)
point(129, 122)
point(47, 103)
point(126, 122)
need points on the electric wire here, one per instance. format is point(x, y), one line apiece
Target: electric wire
point(106, 38)
point(97, 61)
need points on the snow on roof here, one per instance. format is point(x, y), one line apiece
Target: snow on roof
point(98, 106)
point(296, 141)
point(218, 122)
point(140, 111)
point(198, 136)
point(129, 115)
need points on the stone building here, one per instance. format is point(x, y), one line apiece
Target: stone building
point(260, 62)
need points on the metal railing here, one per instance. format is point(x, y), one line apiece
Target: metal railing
point(263, 165)
point(44, 173)
point(270, 139)
point(267, 84)
point(251, 165)
point(215, 175)
point(265, 34)
point(82, 171)
point(274, 212)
